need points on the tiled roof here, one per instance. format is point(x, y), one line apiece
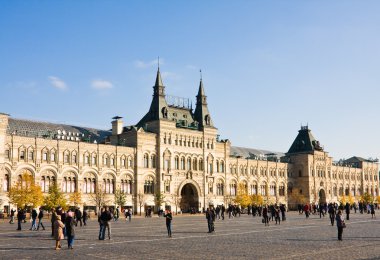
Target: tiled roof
point(50, 130)
point(252, 153)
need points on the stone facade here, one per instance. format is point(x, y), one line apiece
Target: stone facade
point(173, 151)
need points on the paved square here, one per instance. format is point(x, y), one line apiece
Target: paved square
point(239, 238)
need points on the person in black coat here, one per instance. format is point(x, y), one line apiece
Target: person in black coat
point(347, 211)
point(70, 225)
point(20, 215)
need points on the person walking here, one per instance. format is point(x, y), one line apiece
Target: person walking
point(58, 232)
point(223, 209)
point(78, 216)
point(210, 216)
point(169, 217)
point(12, 220)
point(265, 216)
point(106, 217)
point(70, 225)
point(40, 217)
point(277, 215)
point(347, 211)
point(373, 211)
point(101, 226)
point(340, 224)
point(283, 209)
point(332, 214)
point(20, 215)
point(85, 216)
point(34, 218)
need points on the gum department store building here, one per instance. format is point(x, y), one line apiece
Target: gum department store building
point(176, 151)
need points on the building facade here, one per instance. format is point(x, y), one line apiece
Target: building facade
point(175, 151)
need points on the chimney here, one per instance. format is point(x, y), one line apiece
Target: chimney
point(117, 125)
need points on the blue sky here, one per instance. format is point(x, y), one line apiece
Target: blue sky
point(268, 66)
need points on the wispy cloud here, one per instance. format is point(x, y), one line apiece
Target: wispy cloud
point(146, 64)
point(57, 83)
point(101, 84)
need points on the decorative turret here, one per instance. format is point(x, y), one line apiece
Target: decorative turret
point(158, 108)
point(201, 113)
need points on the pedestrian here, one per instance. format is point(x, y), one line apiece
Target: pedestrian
point(20, 215)
point(129, 214)
point(283, 209)
point(210, 216)
point(106, 217)
point(340, 224)
point(53, 219)
point(373, 211)
point(277, 215)
point(34, 218)
point(78, 216)
point(306, 209)
point(58, 232)
point(223, 209)
point(40, 217)
point(85, 216)
point(101, 226)
point(70, 225)
point(347, 211)
point(12, 220)
point(332, 214)
point(265, 216)
point(169, 217)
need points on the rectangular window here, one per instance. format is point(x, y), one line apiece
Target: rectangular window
point(30, 156)
point(22, 155)
point(7, 154)
point(44, 156)
point(74, 159)
point(52, 157)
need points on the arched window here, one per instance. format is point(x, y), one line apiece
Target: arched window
point(273, 189)
point(146, 160)
point(47, 180)
point(106, 160)
point(126, 184)
point(201, 164)
point(335, 191)
point(53, 156)
point(66, 157)
point(86, 159)
point(263, 189)
point(94, 159)
point(74, 158)
point(195, 164)
point(89, 183)
point(6, 183)
point(30, 154)
point(281, 189)
point(221, 166)
point(112, 161)
point(233, 188)
point(217, 166)
point(123, 162)
point(130, 162)
point(69, 183)
point(189, 163)
point(108, 184)
point(153, 161)
point(176, 163)
point(149, 185)
point(220, 188)
point(182, 163)
point(254, 188)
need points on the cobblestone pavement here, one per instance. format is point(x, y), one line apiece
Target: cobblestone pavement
point(239, 238)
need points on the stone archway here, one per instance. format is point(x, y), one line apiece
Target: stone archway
point(189, 198)
point(322, 196)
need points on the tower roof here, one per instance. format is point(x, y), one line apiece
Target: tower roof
point(201, 91)
point(305, 142)
point(158, 79)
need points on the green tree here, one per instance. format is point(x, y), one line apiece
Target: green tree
point(55, 198)
point(25, 192)
point(120, 198)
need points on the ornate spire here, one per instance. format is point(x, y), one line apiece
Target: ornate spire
point(201, 113)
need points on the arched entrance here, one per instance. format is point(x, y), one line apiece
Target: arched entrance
point(189, 198)
point(322, 196)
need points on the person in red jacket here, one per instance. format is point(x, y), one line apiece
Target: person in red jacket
point(306, 210)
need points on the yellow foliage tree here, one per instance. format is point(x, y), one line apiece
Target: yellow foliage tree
point(343, 200)
point(75, 198)
point(366, 198)
point(351, 199)
point(25, 192)
point(257, 200)
point(55, 198)
point(378, 199)
point(242, 198)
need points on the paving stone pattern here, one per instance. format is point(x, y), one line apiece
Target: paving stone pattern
point(239, 238)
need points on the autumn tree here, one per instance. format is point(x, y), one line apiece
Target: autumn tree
point(25, 192)
point(242, 198)
point(120, 198)
point(257, 200)
point(99, 198)
point(55, 198)
point(75, 198)
point(366, 198)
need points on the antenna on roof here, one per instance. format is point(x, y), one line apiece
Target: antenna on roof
point(200, 72)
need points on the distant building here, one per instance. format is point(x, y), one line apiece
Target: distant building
point(173, 150)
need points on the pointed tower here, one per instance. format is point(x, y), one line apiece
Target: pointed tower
point(158, 108)
point(201, 113)
point(305, 142)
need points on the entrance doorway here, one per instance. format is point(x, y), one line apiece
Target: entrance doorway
point(322, 196)
point(189, 199)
